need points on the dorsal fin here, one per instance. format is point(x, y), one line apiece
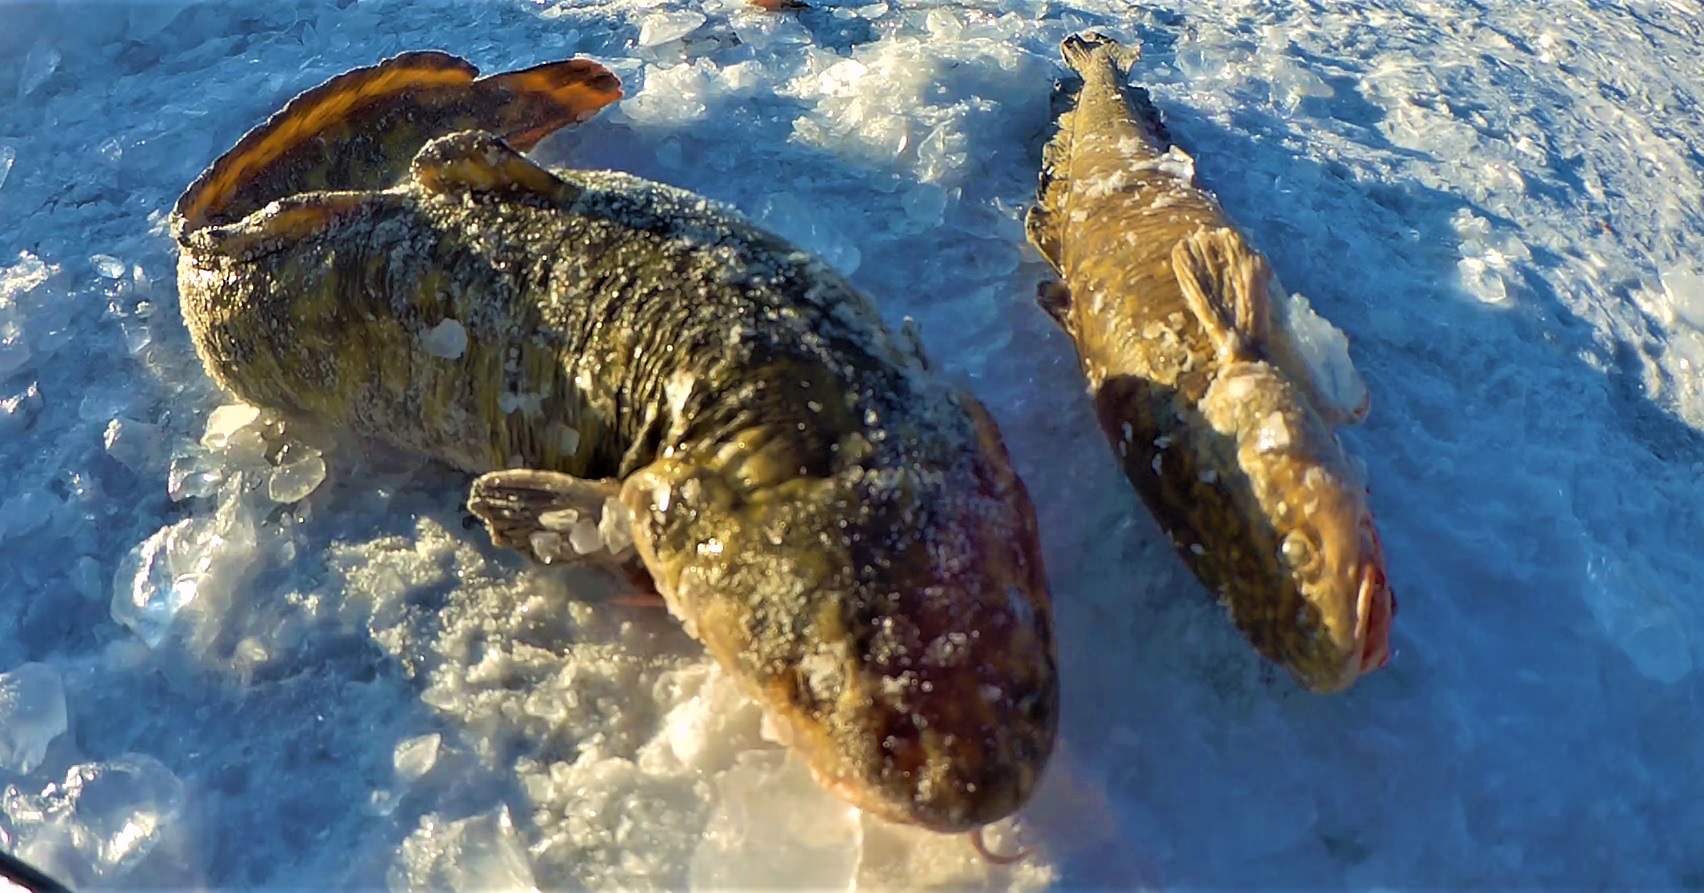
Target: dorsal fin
point(238, 182)
point(533, 103)
point(476, 161)
point(361, 129)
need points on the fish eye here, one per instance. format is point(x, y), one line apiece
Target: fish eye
point(1298, 550)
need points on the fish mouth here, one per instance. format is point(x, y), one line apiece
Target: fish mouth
point(1374, 608)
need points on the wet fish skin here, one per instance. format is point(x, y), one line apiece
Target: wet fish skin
point(840, 528)
point(1217, 421)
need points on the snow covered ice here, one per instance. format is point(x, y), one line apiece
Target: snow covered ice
point(32, 714)
point(239, 657)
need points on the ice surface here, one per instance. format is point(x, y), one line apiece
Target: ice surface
point(1685, 292)
point(1639, 617)
point(8, 156)
point(773, 828)
point(1497, 203)
point(482, 852)
point(32, 714)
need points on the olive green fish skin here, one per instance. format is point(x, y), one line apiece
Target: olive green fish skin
point(1231, 455)
point(838, 526)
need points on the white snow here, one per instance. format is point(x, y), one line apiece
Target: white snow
point(287, 668)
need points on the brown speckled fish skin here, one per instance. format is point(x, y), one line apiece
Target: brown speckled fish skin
point(1216, 424)
point(841, 528)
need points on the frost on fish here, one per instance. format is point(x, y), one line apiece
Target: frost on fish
point(1220, 408)
point(817, 507)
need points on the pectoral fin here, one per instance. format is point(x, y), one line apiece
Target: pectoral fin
point(1052, 296)
point(552, 518)
point(1225, 283)
point(476, 161)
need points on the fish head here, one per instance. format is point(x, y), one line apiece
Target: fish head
point(892, 618)
point(1337, 562)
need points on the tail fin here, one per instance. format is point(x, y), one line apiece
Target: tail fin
point(1086, 48)
point(535, 102)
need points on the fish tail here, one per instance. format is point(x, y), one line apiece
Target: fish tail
point(1091, 47)
point(535, 102)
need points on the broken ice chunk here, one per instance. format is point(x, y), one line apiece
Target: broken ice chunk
point(136, 445)
point(39, 65)
point(7, 156)
point(226, 421)
point(19, 411)
point(1323, 349)
point(478, 853)
point(103, 406)
point(1635, 611)
point(615, 527)
point(299, 471)
point(32, 714)
point(446, 340)
point(197, 559)
point(662, 27)
point(194, 475)
point(416, 757)
point(119, 809)
point(107, 267)
point(584, 537)
point(26, 512)
point(148, 592)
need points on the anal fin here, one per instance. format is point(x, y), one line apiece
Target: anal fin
point(1226, 285)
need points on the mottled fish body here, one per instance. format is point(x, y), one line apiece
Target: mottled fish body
point(840, 527)
point(1201, 386)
